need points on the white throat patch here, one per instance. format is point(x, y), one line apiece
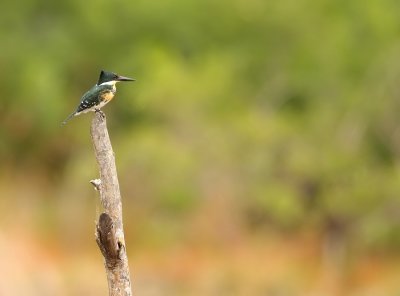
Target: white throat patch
point(113, 82)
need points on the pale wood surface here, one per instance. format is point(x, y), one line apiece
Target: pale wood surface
point(109, 229)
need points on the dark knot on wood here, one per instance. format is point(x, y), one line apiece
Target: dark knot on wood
point(107, 240)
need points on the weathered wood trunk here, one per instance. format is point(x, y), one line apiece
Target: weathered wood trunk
point(109, 229)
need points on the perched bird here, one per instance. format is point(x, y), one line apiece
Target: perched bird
point(99, 95)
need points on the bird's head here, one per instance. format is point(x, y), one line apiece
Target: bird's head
point(111, 78)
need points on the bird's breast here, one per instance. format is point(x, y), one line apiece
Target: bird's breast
point(107, 96)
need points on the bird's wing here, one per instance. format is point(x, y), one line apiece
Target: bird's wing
point(90, 99)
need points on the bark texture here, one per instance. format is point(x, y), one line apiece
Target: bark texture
point(109, 229)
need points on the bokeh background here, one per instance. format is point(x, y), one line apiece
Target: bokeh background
point(258, 151)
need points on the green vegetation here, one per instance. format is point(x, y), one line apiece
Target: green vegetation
point(282, 113)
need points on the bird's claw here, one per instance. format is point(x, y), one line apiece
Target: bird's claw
point(101, 113)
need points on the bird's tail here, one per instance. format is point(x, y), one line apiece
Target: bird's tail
point(68, 118)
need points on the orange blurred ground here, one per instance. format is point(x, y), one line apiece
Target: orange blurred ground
point(244, 266)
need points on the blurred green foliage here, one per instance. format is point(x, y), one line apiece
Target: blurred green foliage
point(288, 109)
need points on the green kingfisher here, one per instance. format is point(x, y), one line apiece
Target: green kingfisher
point(99, 95)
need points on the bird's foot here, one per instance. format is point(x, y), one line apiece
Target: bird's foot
point(103, 116)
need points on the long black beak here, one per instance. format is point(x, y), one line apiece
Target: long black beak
point(123, 78)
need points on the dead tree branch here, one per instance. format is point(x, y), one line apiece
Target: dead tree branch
point(109, 229)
